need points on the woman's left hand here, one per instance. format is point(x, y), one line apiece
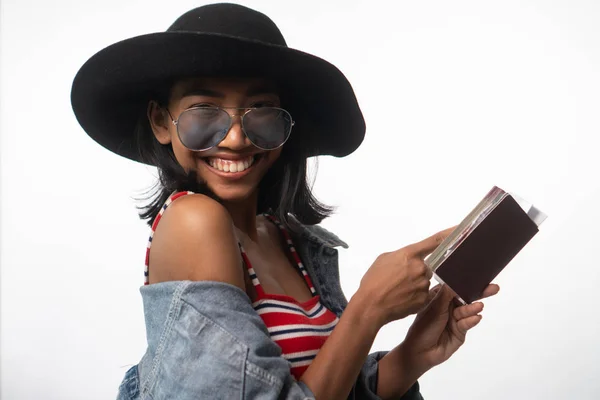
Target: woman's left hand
point(441, 327)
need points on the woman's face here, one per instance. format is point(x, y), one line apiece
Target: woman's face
point(234, 167)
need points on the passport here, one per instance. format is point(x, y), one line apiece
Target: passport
point(484, 243)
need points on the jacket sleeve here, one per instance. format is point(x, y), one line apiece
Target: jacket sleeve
point(206, 341)
point(366, 384)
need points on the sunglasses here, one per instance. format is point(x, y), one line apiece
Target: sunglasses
point(202, 128)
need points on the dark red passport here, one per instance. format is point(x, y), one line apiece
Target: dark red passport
point(484, 244)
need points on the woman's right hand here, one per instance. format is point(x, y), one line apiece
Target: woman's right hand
point(397, 284)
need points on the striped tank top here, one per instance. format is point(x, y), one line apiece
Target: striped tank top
point(299, 328)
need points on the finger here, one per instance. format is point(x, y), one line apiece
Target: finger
point(467, 311)
point(428, 272)
point(468, 323)
point(426, 246)
point(490, 291)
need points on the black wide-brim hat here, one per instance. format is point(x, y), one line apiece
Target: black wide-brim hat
point(112, 89)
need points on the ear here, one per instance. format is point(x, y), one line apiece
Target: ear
point(160, 122)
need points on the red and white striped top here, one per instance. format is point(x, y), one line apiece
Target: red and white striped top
point(299, 328)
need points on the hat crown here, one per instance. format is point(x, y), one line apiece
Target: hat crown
point(230, 20)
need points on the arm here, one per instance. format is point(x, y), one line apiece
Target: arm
point(368, 385)
point(335, 369)
point(195, 241)
point(204, 338)
point(392, 366)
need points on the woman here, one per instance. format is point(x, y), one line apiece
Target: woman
point(243, 298)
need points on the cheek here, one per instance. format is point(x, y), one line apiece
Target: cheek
point(273, 156)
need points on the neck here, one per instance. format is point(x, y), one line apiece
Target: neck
point(243, 214)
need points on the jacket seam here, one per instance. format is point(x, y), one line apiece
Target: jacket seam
point(262, 375)
point(225, 331)
point(230, 335)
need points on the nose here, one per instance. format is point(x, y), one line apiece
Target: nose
point(236, 139)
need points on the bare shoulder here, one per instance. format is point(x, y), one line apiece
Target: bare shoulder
point(196, 212)
point(195, 240)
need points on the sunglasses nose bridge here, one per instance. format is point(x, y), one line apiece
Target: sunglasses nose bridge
point(241, 112)
point(236, 136)
point(238, 117)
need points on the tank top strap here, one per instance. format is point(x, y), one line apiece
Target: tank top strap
point(169, 201)
point(251, 273)
point(293, 252)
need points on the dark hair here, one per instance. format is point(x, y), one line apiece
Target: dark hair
point(284, 188)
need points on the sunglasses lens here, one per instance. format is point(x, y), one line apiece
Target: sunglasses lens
point(203, 128)
point(268, 127)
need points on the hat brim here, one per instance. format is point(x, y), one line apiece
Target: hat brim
point(114, 86)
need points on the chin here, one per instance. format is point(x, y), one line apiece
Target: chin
point(233, 194)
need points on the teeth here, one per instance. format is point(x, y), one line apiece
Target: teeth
point(230, 165)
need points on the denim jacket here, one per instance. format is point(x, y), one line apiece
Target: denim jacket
point(205, 341)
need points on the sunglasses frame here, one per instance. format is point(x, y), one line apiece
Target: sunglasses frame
point(231, 117)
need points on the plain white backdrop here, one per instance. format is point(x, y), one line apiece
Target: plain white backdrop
point(458, 96)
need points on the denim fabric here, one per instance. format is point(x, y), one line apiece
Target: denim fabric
point(205, 341)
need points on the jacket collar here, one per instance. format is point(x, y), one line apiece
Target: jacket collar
point(317, 234)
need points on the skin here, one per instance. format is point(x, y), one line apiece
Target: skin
point(197, 240)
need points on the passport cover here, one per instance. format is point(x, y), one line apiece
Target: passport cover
point(483, 244)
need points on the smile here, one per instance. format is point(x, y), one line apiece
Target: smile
point(231, 166)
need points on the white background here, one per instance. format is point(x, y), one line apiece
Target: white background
point(458, 96)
